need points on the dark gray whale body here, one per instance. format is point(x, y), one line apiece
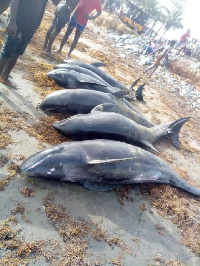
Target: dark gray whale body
point(83, 101)
point(114, 126)
point(102, 162)
point(81, 70)
point(71, 79)
point(109, 79)
point(85, 68)
point(74, 77)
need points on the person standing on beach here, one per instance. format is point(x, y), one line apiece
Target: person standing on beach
point(25, 18)
point(183, 38)
point(163, 54)
point(79, 21)
point(62, 16)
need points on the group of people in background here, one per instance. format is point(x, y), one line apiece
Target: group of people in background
point(25, 18)
point(160, 51)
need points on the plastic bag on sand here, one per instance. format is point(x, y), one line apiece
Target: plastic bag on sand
point(146, 61)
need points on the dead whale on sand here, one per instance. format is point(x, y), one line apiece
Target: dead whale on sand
point(114, 126)
point(73, 77)
point(83, 101)
point(81, 70)
point(105, 76)
point(107, 163)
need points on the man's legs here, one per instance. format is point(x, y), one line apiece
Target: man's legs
point(3, 62)
point(12, 49)
point(76, 38)
point(149, 68)
point(154, 68)
point(65, 38)
point(6, 66)
point(48, 36)
point(51, 40)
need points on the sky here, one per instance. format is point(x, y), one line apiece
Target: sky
point(191, 20)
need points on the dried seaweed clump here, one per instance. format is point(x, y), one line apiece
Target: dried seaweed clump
point(37, 73)
point(44, 132)
point(5, 140)
point(82, 47)
point(118, 261)
point(123, 193)
point(9, 120)
point(100, 56)
point(76, 233)
point(180, 208)
point(13, 168)
point(3, 160)
point(159, 260)
point(121, 244)
point(27, 192)
point(6, 232)
point(29, 248)
point(6, 181)
point(14, 250)
point(160, 229)
point(21, 210)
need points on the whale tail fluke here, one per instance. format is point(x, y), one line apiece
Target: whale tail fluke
point(174, 129)
point(135, 83)
point(139, 93)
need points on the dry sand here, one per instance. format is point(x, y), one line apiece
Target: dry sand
point(44, 223)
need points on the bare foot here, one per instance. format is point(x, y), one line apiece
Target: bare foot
point(50, 55)
point(57, 51)
point(68, 57)
point(9, 83)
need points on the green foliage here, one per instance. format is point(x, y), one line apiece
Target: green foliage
point(171, 17)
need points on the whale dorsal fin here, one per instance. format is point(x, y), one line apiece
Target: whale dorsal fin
point(135, 83)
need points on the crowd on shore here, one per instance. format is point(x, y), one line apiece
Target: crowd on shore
point(25, 17)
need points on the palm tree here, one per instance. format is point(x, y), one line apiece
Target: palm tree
point(150, 6)
point(172, 19)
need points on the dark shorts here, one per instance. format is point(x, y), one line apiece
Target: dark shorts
point(15, 46)
point(73, 23)
point(59, 23)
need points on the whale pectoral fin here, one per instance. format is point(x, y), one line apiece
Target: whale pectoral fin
point(74, 173)
point(99, 186)
point(149, 145)
point(105, 107)
point(93, 82)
